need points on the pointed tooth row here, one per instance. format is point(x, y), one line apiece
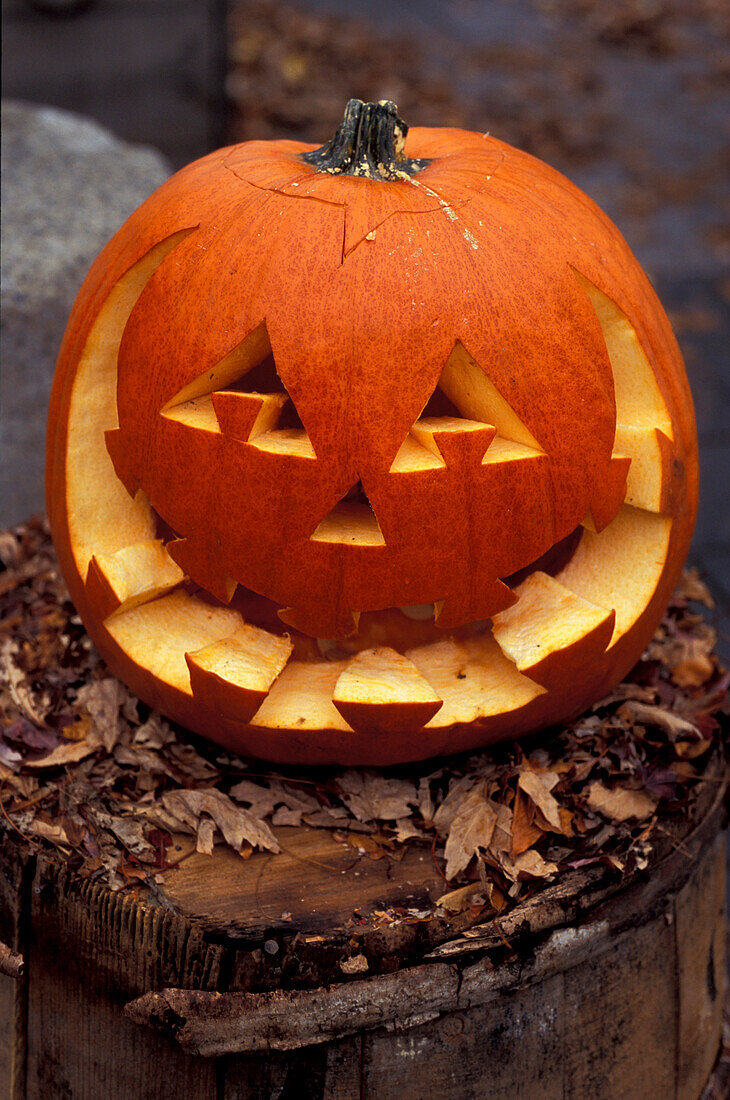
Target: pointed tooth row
point(550, 632)
point(634, 547)
point(381, 690)
point(649, 480)
point(246, 416)
point(453, 439)
point(555, 627)
point(131, 576)
point(196, 558)
point(234, 675)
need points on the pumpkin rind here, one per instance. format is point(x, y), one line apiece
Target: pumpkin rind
point(486, 276)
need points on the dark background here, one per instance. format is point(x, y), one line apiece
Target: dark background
point(630, 98)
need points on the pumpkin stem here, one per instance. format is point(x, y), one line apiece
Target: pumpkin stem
point(368, 142)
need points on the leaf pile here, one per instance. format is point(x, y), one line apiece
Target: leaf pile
point(90, 770)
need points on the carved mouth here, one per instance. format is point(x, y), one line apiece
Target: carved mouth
point(397, 672)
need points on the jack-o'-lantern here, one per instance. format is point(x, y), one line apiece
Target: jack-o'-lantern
point(370, 452)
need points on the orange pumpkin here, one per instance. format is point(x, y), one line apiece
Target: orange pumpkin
point(371, 452)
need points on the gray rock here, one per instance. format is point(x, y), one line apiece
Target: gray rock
point(68, 184)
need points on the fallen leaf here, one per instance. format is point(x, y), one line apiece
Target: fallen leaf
point(538, 785)
point(236, 824)
point(406, 829)
point(102, 700)
point(447, 811)
point(693, 671)
point(532, 863)
point(456, 901)
point(205, 834)
point(471, 829)
point(20, 693)
point(35, 738)
point(524, 832)
point(663, 719)
point(70, 753)
point(372, 797)
point(620, 803)
point(690, 587)
point(130, 832)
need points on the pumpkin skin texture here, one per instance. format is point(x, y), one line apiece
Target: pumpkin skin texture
point(366, 468)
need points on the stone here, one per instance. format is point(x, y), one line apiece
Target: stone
point(68, 184)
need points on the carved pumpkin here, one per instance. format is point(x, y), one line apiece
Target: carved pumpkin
point(370, 452)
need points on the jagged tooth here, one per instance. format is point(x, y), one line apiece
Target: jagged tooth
point(507, 450)
point(550, 633)
point(197, 413)
point(195, 558)
point(301, 699)
point(456, 440)
point(650, 480)
point(233, 676)
point(156, 636)
point(607, 501)
point(122, 456)
point(474, 679)
point(245, 416)
point(468, 607)
point(323, 622)
point(383, 692)
point(130, 577)
point(412, 455)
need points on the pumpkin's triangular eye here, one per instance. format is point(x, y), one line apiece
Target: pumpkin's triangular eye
point(352, 520)
point(462, 418)
point(473, 395)
point(243, 397)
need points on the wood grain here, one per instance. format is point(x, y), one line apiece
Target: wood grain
point(595, 988)
point(318, 882)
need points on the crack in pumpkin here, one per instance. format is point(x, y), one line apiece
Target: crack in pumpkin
point(448, 208)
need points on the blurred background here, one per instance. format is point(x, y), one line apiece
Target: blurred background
point(631, 99)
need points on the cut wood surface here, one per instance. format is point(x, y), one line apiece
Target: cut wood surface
point(603, 990)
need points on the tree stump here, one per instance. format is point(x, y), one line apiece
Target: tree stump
point(250, 979)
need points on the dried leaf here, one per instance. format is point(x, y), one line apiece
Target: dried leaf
point(18, 686)
point(693, 670)
point(406, 829)
point(205, 835)
point(372, 797)
point(538, 785)
point(471, 829)
point(524, 832)
point(447, 811)
point(691, 587)
point(24, 732)
point(102, 700)
point(663, 719)
point(236, 824)
point(457, 901)
point(130, 832)
point(532, 863)
point(70, 753)
point(620, 803)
